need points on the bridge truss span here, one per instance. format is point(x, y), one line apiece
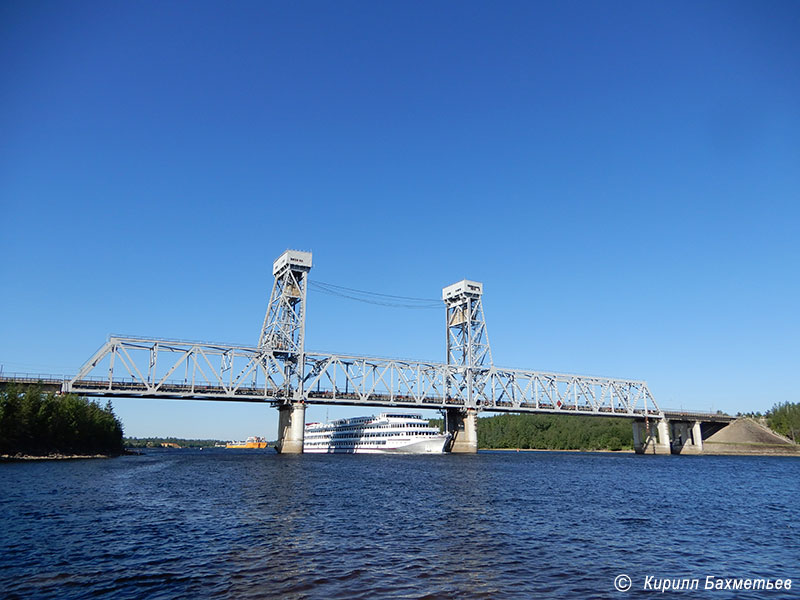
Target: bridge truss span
point(159, 368)
point(521, 390)
point(339, 379)
point(343, 379)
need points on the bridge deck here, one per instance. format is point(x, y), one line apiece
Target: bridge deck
point(49, 383)
point(180, 391)
point(688, 415)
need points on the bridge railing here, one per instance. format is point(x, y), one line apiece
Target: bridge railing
point(32, 377)
point(678, 414)
point(100, 386)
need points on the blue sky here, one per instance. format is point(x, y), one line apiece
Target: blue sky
point(624, 178)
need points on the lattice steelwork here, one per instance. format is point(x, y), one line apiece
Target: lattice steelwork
point(158, 368)
point(285, 322)
point(339, 379)
point(283, 332)
point(279, 370)
point(467, 337)
point(153, 368)
point(468, 351)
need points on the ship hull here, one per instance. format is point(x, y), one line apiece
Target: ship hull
point(249, 446)
point(433, 445)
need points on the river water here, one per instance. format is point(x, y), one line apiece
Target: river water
point(253, 524)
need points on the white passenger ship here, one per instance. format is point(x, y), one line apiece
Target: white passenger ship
point(407, 433)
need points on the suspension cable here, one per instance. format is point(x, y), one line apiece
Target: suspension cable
point(377, 298)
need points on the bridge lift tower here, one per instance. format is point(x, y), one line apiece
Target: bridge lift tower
point(283, 337)
point(470, 358)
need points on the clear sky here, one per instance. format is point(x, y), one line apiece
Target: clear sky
point(624, 177)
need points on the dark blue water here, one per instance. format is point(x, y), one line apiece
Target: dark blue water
point(253, 524)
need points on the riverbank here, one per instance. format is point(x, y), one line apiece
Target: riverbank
point(39, 426)
point(554, 450)
point(27, 457)
point(58, 456)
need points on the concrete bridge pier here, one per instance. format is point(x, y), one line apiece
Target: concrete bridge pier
point(463, 426)
point(687, 437)
point(639, 437)
point(697, 436)
point(291, 428)
point(664, 445)
point(645, 440)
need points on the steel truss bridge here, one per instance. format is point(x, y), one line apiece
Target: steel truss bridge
point(157, 368)
point(279, 371)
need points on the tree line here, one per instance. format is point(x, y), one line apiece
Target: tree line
point(38, 424)
point(555, 432)
point(156, 442)
point(552, 432)
point(785, 419)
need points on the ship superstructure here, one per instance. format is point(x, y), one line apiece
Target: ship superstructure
point(403, 433)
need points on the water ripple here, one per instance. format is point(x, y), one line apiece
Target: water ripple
point(228, 524)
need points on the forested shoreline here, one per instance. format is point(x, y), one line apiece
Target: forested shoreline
point(551, 432)
point(554, 432)
point(785, 419)
point(35, 423)
point(158, 442)
point(578, 432)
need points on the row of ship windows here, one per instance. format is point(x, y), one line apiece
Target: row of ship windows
point(389, 426)
point(338, 443)
point(310, 435)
